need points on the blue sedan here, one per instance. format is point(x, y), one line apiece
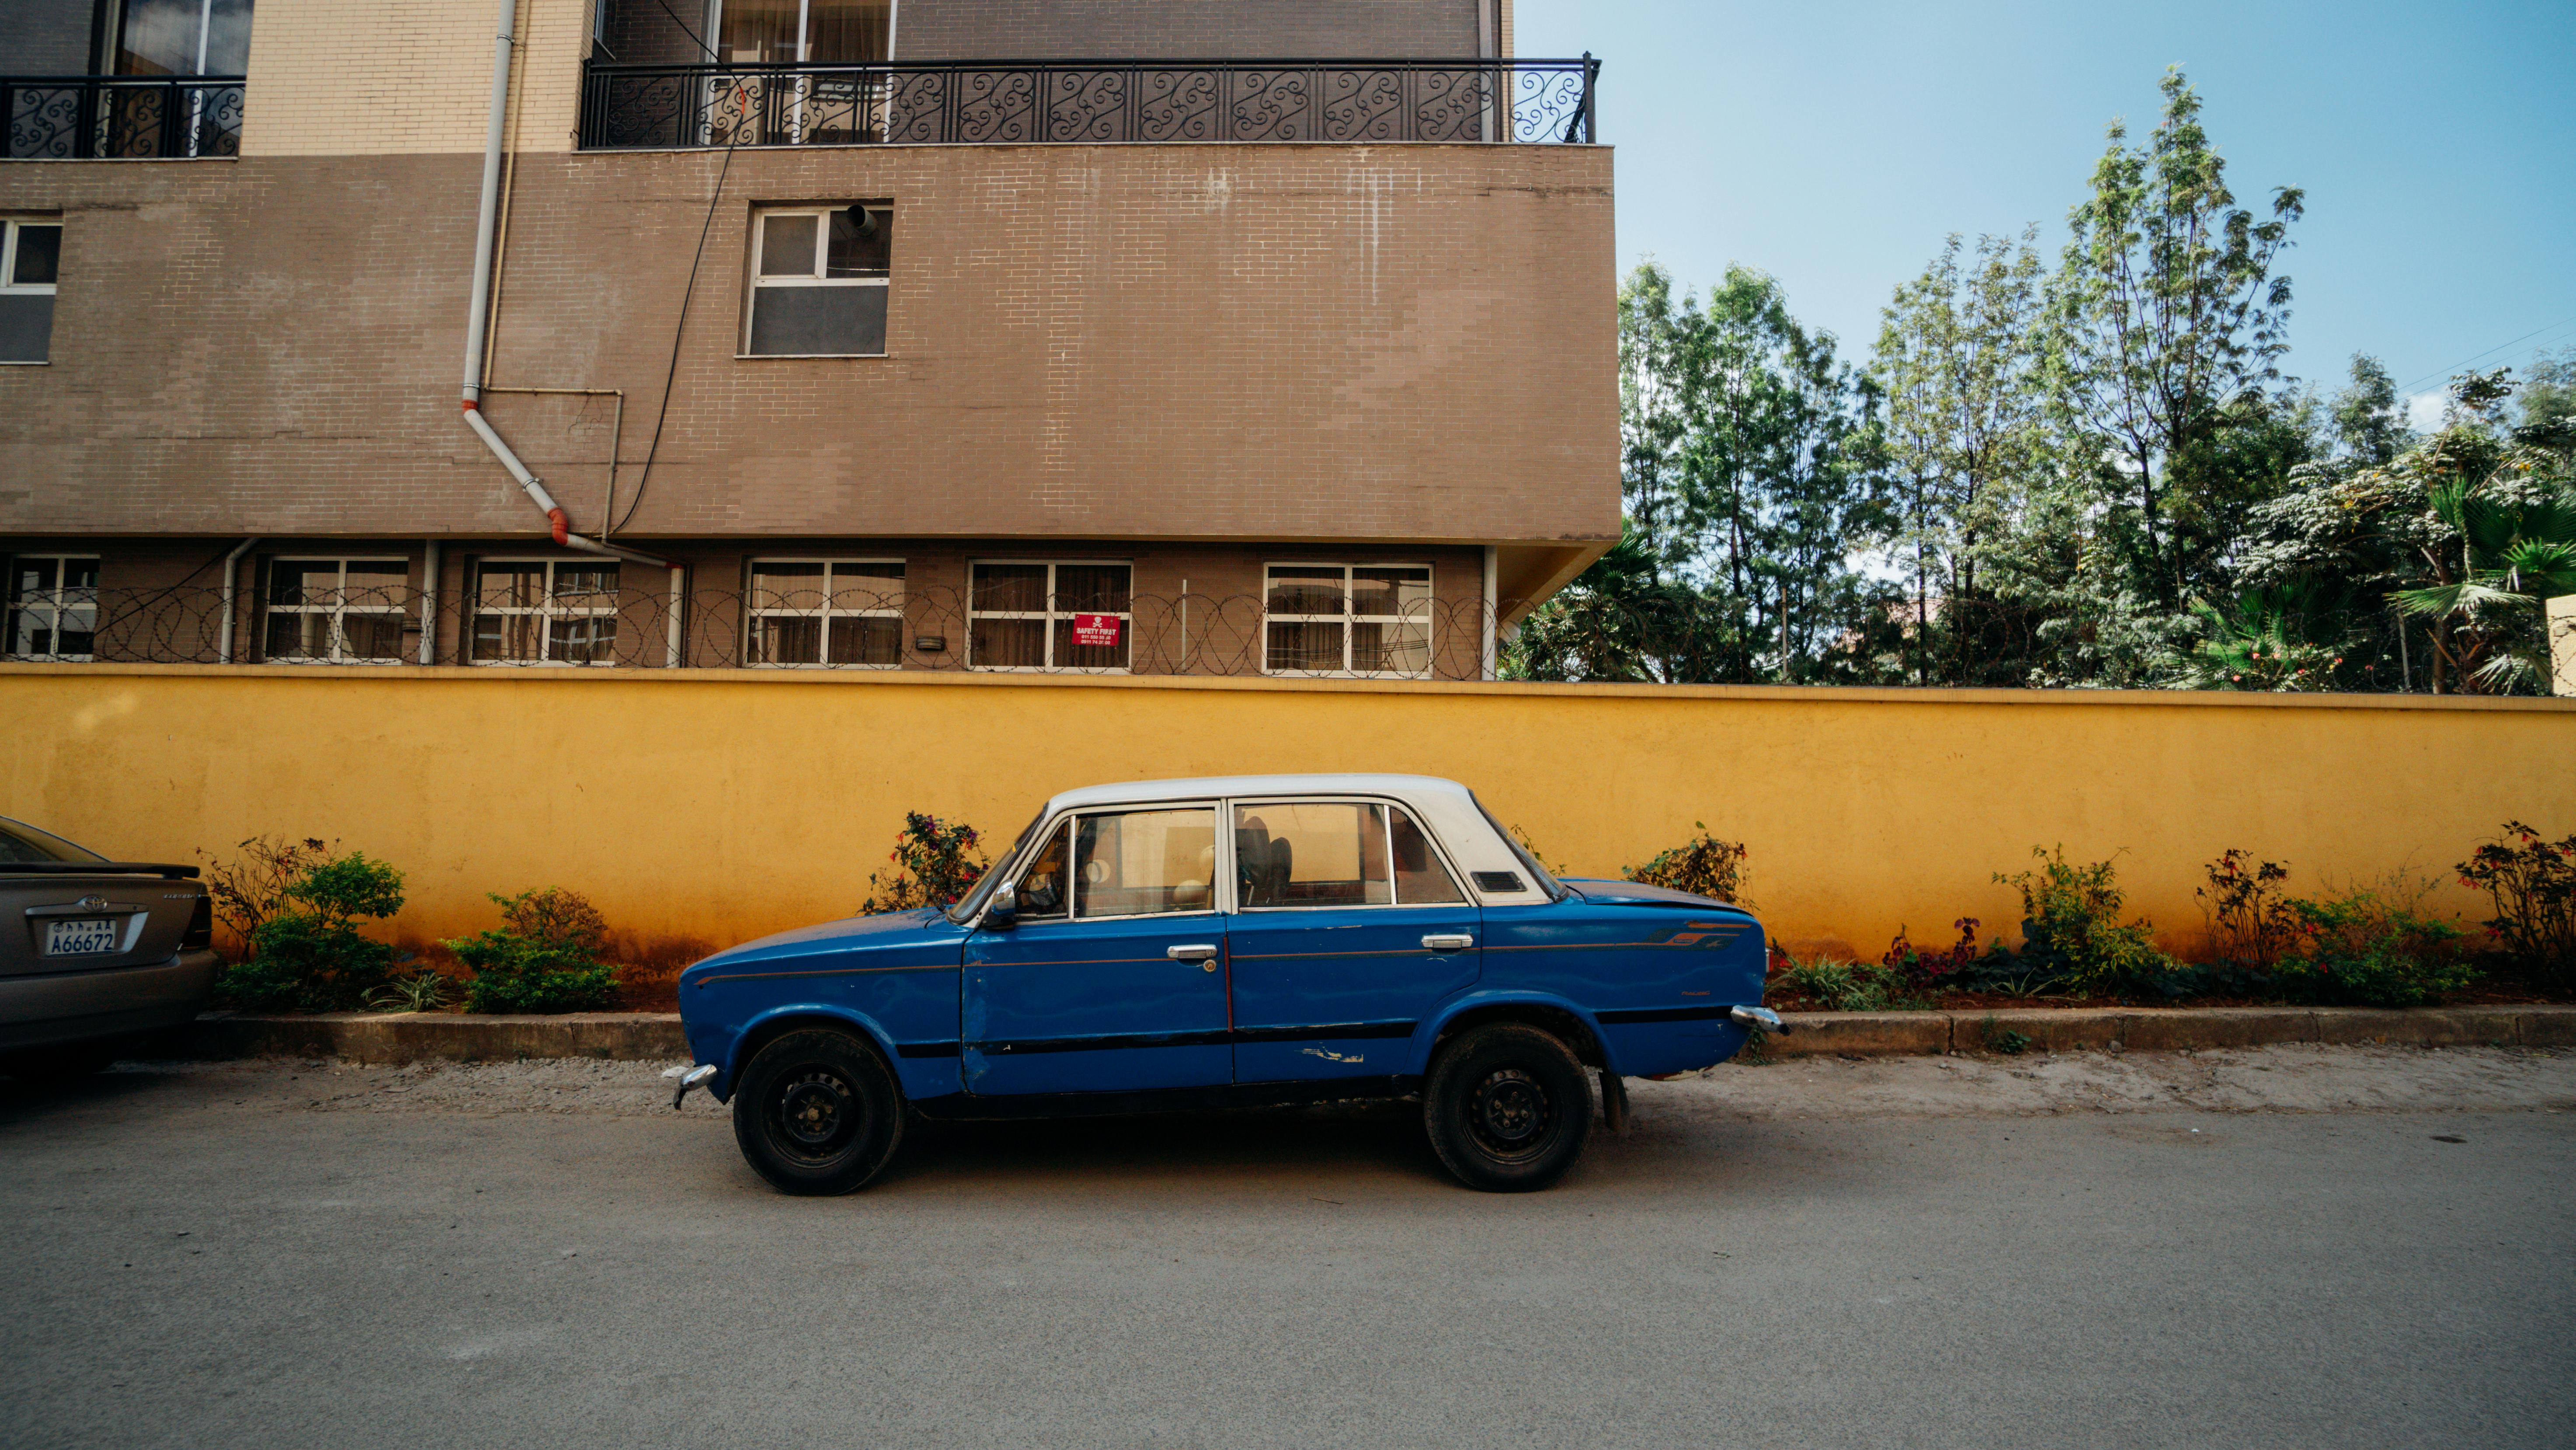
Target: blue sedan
point(1249, 940)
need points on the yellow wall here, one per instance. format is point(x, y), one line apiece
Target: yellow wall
point(724, 805)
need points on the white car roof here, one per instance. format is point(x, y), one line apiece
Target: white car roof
point(1444, 806)
point(1424, 788)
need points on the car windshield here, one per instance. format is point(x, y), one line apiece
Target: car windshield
point(973, 901)
point(20, 844)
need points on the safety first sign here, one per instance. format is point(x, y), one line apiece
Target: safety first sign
point(1096, 630)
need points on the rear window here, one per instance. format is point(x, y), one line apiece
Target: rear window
point(20, 844)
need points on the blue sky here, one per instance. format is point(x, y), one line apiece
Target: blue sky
point(1834, 145)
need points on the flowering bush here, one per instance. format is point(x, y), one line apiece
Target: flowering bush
point(2252, 922)
point(1926, 968)
point(933, 867)
point(2366, 947)
point(2532, 882)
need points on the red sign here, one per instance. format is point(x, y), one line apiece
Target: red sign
point(1098, 630)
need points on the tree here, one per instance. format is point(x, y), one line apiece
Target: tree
point(2369, 427)
point(2168, 322)
point(1959, 363)
point(2508, 510)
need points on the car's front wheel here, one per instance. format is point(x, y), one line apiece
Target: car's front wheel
point(818, 1112)
point(1507, 1107)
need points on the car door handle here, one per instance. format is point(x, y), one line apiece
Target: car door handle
point(1195, 952)
point(1448, 941)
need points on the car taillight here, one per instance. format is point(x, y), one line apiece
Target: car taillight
point(201, 926)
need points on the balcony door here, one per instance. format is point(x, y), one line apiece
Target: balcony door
point(799, 110)
point(819, 32)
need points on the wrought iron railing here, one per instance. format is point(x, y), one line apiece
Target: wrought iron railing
point(637, 107)
point(68, 118)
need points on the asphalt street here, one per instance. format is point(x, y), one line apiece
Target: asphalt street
point(299, 1255)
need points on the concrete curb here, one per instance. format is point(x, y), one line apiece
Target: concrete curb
point(2165, 1029)
point(400, 1037)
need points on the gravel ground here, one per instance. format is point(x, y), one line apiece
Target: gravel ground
point(2297, 1079)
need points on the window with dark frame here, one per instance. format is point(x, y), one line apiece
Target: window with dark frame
point(1074, 616)
point(30, 258)
point(826, 612)
point(819, 281)
point(52, 607)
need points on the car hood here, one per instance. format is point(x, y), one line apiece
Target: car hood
point(891, 930)
point(1635, 894)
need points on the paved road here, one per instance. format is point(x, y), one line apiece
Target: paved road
point(280, 1256)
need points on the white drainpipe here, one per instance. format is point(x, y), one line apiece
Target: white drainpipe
point(1493, 620)
point(486, 222)
point(232, 572)
point(429, 601)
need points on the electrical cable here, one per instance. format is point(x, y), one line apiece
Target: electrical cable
point(2474, 357)
point(670, 377)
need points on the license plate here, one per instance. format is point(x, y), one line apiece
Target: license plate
point(81, 936)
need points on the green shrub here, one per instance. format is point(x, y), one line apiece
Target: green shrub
point(2367, 948)
point(1846, 986)
point(1703, 866)
point(545, 959)
point(307, 955)
point(2071, 926)
point(933, 866)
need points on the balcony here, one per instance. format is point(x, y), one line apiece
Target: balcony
point(1151, 102)
point(79, 118)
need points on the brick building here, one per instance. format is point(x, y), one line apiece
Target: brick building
point(1015, 334)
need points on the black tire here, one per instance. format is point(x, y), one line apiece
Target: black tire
point(1508, 1108)
point(66, 1062)
point(818, 1112)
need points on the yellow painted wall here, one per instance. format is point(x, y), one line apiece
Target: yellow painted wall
point(724, 805)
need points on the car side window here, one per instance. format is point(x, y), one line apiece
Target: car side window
point(1042, 887)
point(1420, 879)
point(1311, 853)
point(1144, 863)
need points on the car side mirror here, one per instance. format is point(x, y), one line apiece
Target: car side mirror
point(1003, 911)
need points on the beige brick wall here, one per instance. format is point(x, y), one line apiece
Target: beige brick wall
point(389, 77)
point(1206, 342)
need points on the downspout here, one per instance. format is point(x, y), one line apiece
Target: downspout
point(232, 572)
point(485, 225)
point(429, 602)
point(1493, 620)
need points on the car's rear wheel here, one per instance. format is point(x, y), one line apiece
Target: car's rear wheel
point(1508, 1108)
point(818, 1112)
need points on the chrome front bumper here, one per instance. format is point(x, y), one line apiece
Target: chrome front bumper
point(57, 1007)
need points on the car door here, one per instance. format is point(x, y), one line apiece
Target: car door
point(1348, 930)
point(1113, 978)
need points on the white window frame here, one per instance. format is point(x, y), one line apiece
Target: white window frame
point(1349, 621)
point(546, 612)
point(757, 283)
point(1126, 617)
point(52, 604)
point(9, 229)
point(336, 610)
point(1439, 853)
point(754, 612)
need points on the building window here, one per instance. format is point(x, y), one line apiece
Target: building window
point(337, 611)
point(1340, 619)
point(545, 612)
point(1032, 616)
point(819, 282)
point(29, 253)
point(53, 606)
point(826, 612)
